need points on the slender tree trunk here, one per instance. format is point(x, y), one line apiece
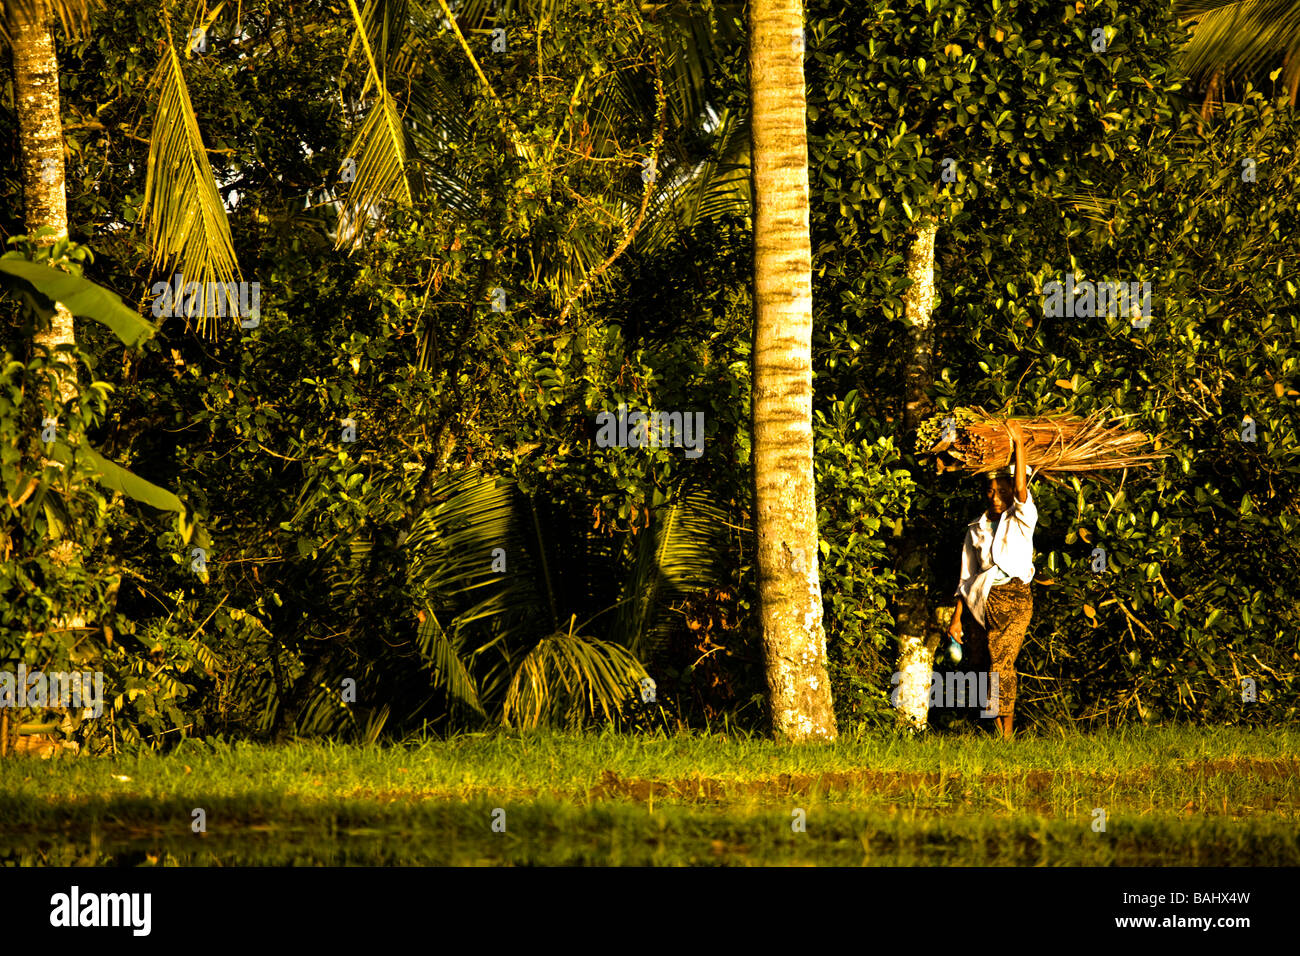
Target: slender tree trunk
point(40, 138)
point(917, 634)
point(794, 640)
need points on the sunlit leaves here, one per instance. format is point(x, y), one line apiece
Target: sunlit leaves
point(184, 215)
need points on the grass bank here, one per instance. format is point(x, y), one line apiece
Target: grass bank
point(1166, 795)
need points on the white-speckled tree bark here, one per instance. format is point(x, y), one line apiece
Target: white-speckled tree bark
point(794, 639)
point(917, 636)
point(40, 139)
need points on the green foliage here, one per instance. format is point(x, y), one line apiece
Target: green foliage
point(40, 286)
point(59, 573)
point(372, 561)
point(1066, 161)
point(1192, 619)
point(563, 669)
point(861, 501)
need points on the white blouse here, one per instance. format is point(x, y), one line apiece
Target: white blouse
point(989, 557)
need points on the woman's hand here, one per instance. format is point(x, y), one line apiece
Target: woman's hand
point(1016, 435)
point(954, 629)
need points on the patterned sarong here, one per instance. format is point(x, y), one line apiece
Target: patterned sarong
point(994, 648)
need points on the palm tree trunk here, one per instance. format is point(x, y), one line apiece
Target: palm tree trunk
point(40, 138)
point(917, 636)
point(794, 640)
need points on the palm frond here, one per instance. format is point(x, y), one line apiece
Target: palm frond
point(680, 555)
point(711, 189)
point(375, 725)
point(437, 118)
point(452, 569)
point(450, 671)
point(692, 42)
point(324, 714)
point(454, 23)
point(379, 150)
point(185, 218)
point(381, 174)
point(567, 677)
point(382, 26)
point(453, 542)
point(1052, 443)
point(1240, 37)
point(73, 15)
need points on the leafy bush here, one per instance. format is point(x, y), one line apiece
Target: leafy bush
point(60, 572)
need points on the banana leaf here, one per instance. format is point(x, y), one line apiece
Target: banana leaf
point(79, 296)
point(116, 478)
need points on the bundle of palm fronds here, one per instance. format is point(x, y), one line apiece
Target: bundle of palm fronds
point(974, 440)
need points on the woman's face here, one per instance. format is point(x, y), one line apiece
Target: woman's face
point(998, 495)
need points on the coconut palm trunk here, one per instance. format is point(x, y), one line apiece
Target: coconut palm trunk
point(794, 640)
point(917, 635)
point(29, 24)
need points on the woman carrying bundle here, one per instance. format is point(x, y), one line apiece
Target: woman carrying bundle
point(997, 564)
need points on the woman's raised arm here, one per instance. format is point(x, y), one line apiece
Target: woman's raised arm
point(1018, 451)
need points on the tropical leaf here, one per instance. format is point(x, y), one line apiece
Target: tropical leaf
point(205, 655)
point(409, 140)
point(251, 620)
point(382, 26)
point(710, 189)
point(568, 677)
point(375, 722)
point(325, 713)
point(437, 118)
point(381, 175)
point(449, 670)
point(1241, 38)
point(381, 144)
point(116, 478)
point(488, 631)
point(74, 15)
point(79, 296)
point(680, 555)
point(185, 218)
point(452, 547)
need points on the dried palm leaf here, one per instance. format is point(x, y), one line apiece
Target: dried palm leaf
point(980, 442)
